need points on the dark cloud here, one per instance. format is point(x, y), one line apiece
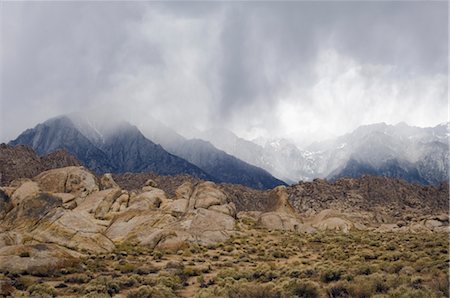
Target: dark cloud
point(287, 69)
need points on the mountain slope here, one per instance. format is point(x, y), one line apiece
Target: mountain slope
point(122, 150)
point(412, 153)
point(223, 166)
point(60, 133)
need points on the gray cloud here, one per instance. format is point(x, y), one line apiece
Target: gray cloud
point(304, 70)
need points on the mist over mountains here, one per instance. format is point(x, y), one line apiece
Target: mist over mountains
point(411, 153)
point(120, 147)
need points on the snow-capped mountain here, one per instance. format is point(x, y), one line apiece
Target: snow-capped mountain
point(408, 152)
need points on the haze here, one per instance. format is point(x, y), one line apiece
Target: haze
point(299, 70)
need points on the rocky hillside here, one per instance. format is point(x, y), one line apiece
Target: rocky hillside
point(385, 199)
point(22, 162)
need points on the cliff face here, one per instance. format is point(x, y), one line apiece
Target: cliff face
point(22, 162)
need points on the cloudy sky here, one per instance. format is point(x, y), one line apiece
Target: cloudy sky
point(300, 70)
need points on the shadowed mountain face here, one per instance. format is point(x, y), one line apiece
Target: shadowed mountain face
point(219, 164)
point(121, 147)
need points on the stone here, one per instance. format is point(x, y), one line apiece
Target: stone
point(30, 211)
point(433, 223)
point(206, 194)
point(92, 202)
point(283, 221)
point(42, 257)
point(335, 224)
point(75, 180)
point(5, 204)
point(105, 205)
point(65, 197)
point(184, 191)
point(177, 207)
point(148, 200)
point(137, 225)
point(151, 183)
point(26, 190)
point(228, 209)
point(10, 238)
point(107, 181)
point(73, 229)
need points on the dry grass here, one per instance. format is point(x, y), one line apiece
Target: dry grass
point(260, 263)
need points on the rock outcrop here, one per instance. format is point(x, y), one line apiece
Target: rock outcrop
point(65, 211)
point(283, 216)
point(198, 213)
point(75, 180)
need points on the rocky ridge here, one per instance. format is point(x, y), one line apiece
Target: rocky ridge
point(22, 162)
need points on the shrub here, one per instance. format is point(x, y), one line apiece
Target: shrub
point(305, 289)
point(279, 254)
point(151, 292)
point(158, 255)
point(126, 268)
point(41, 290)
point(78, 279)
point(229, 248)
point(253, 291)
point(24, 254)
point(339, 289)
point(330, 275)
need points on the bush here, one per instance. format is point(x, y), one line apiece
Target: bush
point(78, 279)
point(253, 291)
point(305, 289)
point(126, 268)
point(339, 289)
point(330, 275)
point(24, 254)
point(41, 290)
point(151, 292)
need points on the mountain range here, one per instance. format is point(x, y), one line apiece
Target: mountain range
point(415, 154)
point(120, 147)
point(412, 153)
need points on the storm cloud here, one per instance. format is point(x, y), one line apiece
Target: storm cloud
point(302, 70)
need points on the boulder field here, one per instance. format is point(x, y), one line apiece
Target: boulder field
point(65, 213)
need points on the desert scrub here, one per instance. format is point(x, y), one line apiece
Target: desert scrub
point(159, 291)
point(126, 268)
point(330, 275)
point(247, 290)
point(41, 290)
point(79, 278)
point(301, 288)
point(158, 255)
point(103, 285)
point(24, 254)
point(146, 269)
point(367, 286)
